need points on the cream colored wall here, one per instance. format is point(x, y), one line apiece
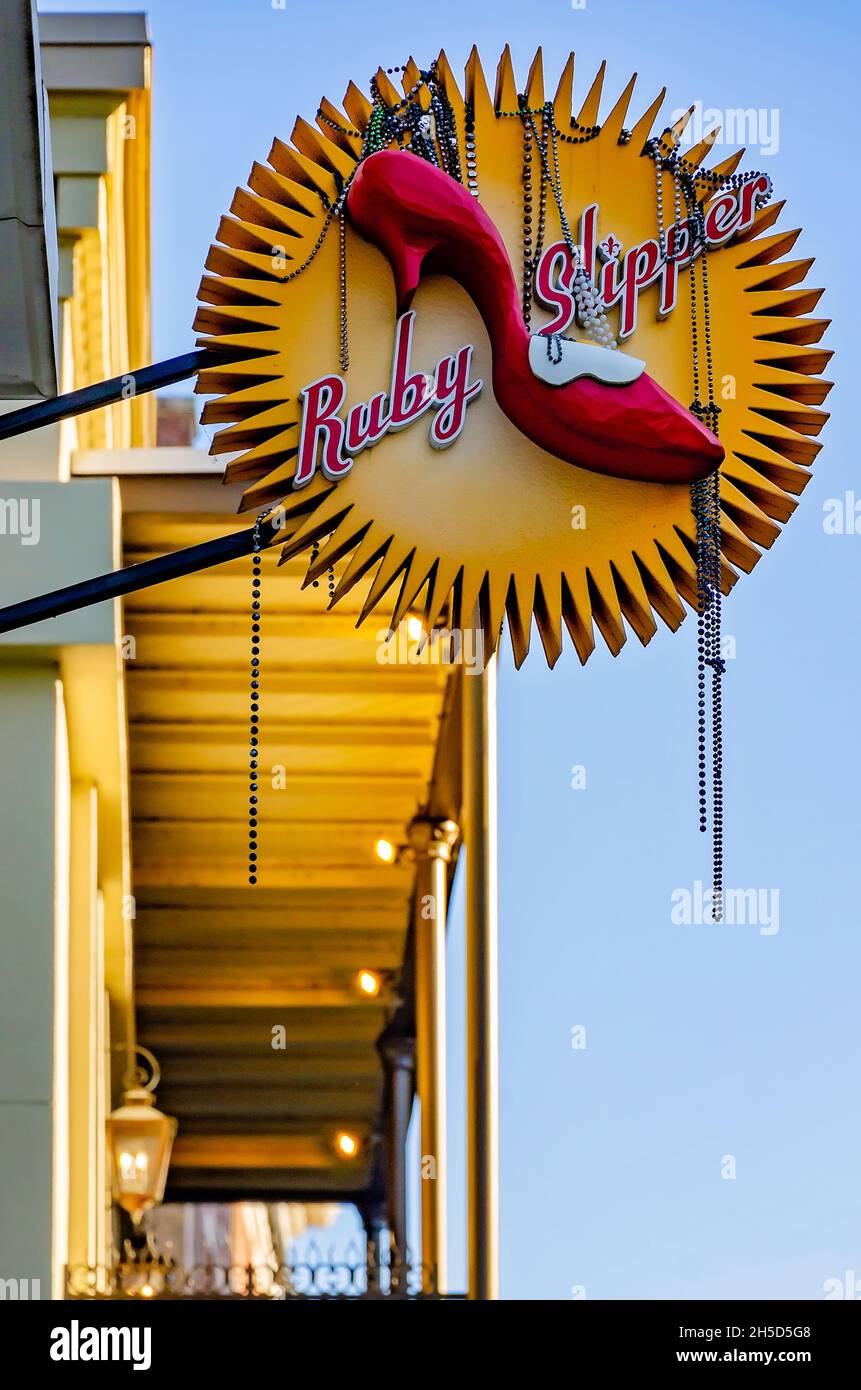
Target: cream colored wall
point(28, 883)
point(66, 997)
point(54, 1062)
point(89, 1068)
point(65, 927)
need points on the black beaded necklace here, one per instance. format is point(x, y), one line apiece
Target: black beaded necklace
point(432, 135)
point(687, 182)
point(590, 311)
point(254, 721)
point(705, 504)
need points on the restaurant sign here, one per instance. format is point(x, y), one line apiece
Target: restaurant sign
point(497, 357)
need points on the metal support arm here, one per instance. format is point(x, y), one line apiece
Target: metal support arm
point(134, 577)
point(119, 388)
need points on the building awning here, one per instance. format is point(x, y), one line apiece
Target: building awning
point(28, 237)
point(248, 994)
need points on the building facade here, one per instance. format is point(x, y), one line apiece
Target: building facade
point(283, 1015)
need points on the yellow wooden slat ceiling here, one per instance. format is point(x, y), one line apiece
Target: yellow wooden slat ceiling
point(220, 964)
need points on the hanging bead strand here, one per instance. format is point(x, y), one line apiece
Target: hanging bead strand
point(542, 200)
point(692, 186)
point(526, 289)
point(471, 154)
point(705, 504)
point(716, 660)
point(254, 720)
point(344, 345)
point(590, 309)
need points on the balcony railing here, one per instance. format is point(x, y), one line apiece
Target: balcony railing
point(147, 1274)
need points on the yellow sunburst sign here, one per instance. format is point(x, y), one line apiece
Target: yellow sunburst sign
point(481, 348)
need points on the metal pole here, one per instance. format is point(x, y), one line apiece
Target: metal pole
point(135, 577)
point(119, 388)
point(398, 1054)
point(374, 1221)
point(432, 843)
point(480, 836)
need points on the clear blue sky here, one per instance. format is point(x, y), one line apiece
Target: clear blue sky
point(702, 1041)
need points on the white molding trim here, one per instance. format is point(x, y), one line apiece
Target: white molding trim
point(151, 463)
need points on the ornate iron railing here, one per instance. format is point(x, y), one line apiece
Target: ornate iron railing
point(149, 1274)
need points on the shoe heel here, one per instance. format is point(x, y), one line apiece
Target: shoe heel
point(407, 260)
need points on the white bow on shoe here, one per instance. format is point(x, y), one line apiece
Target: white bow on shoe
point(558, 360)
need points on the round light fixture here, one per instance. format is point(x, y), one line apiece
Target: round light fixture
point(368, 982)
point(347, 1145)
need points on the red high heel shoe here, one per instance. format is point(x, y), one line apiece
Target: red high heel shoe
point(625, 424)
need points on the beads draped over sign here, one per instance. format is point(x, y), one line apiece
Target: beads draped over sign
point(254, 721)
point(705, 494)
point(427, 127)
